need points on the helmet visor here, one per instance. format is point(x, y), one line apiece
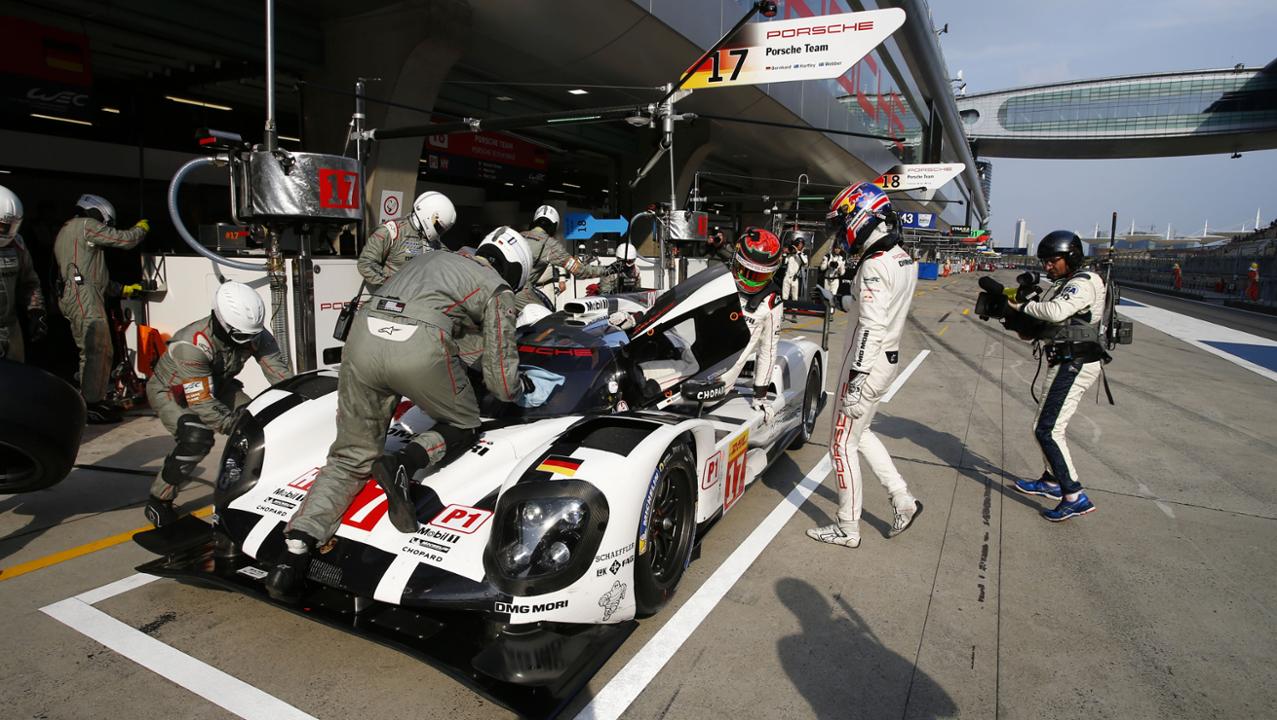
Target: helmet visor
point(242, 337)
point(750, 277)
point(9, 227)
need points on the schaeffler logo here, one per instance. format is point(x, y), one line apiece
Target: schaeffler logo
point(834, 29)
point(338, 189)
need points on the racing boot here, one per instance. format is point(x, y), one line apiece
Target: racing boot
point(835, 534)
point(904, 518)
point(101, 413)
point(394, 474)
point(160, 512)
point(285, 581)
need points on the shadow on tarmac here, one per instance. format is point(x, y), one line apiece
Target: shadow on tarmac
point(785, 475)
point(843, 670)
point(973, 465)
point(91, 492)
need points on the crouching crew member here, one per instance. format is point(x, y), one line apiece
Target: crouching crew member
point(863, 223)
point(19, 285)
point(1073, 306)
point(194, 389)
point(405, 344)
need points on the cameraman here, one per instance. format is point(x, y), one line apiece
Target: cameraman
point(1070, 310)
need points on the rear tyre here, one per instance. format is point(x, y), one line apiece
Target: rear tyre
point(811, 407)
point(670, 530)
point(41, 420)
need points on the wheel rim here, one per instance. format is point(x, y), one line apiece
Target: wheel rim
point(668, 519)
point(17, 468)
point(809, 402)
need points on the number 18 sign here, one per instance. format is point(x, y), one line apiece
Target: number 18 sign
point(813, 48)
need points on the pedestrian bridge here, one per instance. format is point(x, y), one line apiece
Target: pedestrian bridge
point(1160, 115)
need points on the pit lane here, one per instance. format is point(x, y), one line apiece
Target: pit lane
point(982, 609)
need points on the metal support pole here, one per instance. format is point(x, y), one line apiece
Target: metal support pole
point(272, 137)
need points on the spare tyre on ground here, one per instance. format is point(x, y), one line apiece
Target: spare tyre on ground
point(41, 421)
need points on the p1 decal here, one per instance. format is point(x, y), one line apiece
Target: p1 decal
point(369, 506)
point(734, 483)
point(713, 468)
point(462, 519)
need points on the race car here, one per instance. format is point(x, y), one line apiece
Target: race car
point(561, 524)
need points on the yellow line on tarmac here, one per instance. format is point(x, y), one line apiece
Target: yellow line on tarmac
point(75, 552)
point(946, 327)
point(966, 312)
point(806, 323)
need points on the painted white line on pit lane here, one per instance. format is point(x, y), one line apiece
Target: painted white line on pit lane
point(900, 379)
point(1198, 333)
point(219, 688)
point(626, 685)
point(1160, 505)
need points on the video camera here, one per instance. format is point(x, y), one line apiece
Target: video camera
point(994, 301)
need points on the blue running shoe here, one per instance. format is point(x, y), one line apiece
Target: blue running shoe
point(1041, 487)
point(1066, 509)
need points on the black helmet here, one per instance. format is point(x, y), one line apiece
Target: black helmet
point(1062, 243)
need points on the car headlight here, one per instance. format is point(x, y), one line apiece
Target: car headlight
point(546, 534)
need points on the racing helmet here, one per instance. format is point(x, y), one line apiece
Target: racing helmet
point(1062, 243)
point(240, 311)
point(855, 213)
point(756, 259)
point(432, 215)
point(96, 203)
point(508, 253)
point(625, 253)
point(10, 215)
point(546, 218)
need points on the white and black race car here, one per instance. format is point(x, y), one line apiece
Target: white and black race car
point(564, 522)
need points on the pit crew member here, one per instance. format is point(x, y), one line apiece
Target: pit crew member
point(82, 297)
point(19, 285)
point(398, 241)
point(547, 251)
point(832, 267)
point(624, 275)
point(864, 225)
point(194, 389)
point(405, 344)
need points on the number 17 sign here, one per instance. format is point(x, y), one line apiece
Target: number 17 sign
point(813, 48)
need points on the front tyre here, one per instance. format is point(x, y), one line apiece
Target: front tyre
point(811, 407)
point(671, 525)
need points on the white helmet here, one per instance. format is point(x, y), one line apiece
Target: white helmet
point(432, 215)
point(548, 213)
point(97, 202)
point(510, 248)
point(626, 252)
point(240, 310)
point(10, 215)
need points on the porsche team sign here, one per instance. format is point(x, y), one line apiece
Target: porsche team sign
point(814, 48)
point(923, 179)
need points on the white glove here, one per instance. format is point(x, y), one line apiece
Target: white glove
point(621, 320)
point(852, 394)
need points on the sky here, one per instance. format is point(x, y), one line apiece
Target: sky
point(1003, 44)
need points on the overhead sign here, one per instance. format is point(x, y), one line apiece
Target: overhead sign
point(812, 48)
point(580, 226)
point(925, 179)
point(917, 221)
point(959, 229)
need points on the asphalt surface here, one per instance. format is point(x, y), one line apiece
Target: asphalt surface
point(1159, 605)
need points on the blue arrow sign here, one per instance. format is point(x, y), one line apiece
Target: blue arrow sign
point(580, 226)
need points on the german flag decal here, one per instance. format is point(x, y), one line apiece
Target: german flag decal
point(560, 465)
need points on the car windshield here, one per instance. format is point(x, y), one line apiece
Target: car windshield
point(586, 373)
